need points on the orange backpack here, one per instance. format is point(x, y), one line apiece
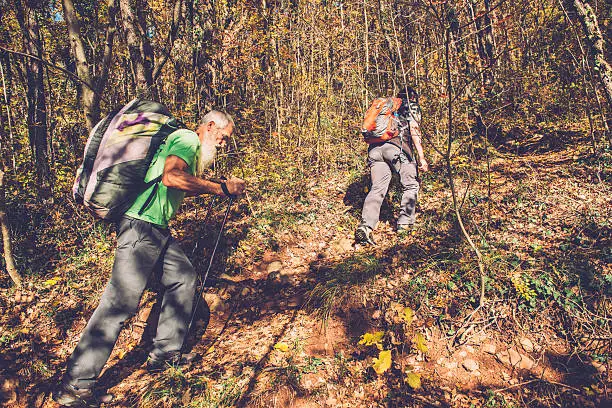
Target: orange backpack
point(379, 124)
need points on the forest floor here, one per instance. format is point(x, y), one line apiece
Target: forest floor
point(291, 298)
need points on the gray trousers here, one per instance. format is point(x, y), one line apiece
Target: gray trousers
point(382, 160)
point(142, 248)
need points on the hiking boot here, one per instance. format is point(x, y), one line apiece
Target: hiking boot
point(172, 359)
point(363, 235)
point(67, 395)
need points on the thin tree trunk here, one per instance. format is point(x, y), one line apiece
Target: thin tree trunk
point(177, 16)
point(449, 168)
point(37, 109)
point(91, 94)
point(82, 67)
point(7, 92)
point(594, 38)
point(6, 238)
point(134, 40)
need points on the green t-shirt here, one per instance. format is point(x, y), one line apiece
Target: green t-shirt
point(184, 144)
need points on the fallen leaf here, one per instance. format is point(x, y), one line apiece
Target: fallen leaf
point(408, 315)
point(383, 362)
point(281, 347)
point(51, 282)
point(370, 339)
point(210, 349)
point(420, 343)
point(413, 380)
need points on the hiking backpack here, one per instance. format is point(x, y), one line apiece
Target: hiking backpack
point(380, 123)
point(118, 154)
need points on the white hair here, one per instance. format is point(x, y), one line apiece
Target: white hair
point(221, 119)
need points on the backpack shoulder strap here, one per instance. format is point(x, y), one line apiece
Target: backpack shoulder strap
point(154, 182)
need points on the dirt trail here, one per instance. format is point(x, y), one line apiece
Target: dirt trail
point(262, 340)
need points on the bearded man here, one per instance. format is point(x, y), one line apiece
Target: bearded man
point(144, 245)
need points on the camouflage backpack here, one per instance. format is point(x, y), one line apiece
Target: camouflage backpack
point(118, 154)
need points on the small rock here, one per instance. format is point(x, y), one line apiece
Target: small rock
point(275, 266)
point(270, 256)
point(470, 365)
point(286, 272)
point(214, 302)
point(526, 363)
point(469, 349)
point(527, 344)
point(463, 353)
point(515, 357)
point(503, 357)
point(489, 348)
point(600, 367)
point(450, 365)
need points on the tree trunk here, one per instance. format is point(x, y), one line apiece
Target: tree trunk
point(588, 19)
point(486, 47)
point(6, 238)
point(134, 39)
point(37, 109)
point(82, 67)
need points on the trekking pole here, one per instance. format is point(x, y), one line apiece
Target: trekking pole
point(212, 256)
point(208, 211)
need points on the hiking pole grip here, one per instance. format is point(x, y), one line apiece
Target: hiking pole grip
point(221, 181)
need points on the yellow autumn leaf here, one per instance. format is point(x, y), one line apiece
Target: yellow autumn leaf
point(407, 315)
point(281, 347)
point(383, 362)
point(121, 354)
point(210, 349)
point(420, 343)
point(413, 380)
point(370, 339)
point(25, 330)
point(51, 282)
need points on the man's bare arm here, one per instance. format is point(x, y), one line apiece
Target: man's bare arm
point(415, 134)
point(176, 175)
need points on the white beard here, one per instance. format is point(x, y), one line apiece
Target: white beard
point(207, 157)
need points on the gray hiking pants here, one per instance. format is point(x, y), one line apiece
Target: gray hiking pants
point(381, 160)
point(142, 248)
